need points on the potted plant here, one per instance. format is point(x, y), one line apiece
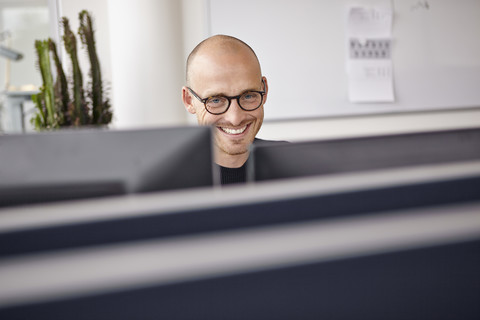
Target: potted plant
point(64, 102)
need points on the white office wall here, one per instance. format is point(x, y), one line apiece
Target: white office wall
point(147, 58)
point(195, 29)
point(147, 42)
point(355, 126)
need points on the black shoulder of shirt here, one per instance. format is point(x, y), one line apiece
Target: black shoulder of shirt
point(239, 175)
point(267, 142)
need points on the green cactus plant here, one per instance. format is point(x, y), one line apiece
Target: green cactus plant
point(61, 87)
point(100, 108)
point(66, 103)
point(80, 110)
point(45, 100)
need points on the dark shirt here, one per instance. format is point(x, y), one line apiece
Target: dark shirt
point(233, 175)
point(239, 175)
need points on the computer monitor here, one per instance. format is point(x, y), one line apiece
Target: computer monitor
point(72, 164)
point(162, 215)
point(414, 264)
point(287, 160)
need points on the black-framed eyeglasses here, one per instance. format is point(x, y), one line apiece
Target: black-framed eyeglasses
point(248, 101)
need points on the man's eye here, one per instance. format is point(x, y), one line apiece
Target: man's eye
point(216, 100)
point(250, 96)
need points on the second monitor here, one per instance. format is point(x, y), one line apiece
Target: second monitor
point(289, 160)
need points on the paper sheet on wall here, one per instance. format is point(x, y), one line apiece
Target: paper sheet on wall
point(369, 65)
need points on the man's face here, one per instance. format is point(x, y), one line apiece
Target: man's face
point(229, 75)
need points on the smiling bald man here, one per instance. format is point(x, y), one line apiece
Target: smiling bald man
point(226, 89)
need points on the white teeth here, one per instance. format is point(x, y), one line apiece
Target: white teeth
point(234, 131)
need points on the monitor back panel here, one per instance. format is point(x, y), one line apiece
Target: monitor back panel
point(288, 160)
point(73, 164)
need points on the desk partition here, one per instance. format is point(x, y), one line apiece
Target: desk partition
point(77, 224)
point(406, 264)
point(398, 243)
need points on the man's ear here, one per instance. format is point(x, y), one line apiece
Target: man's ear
point(187, 101)
point(266, 90)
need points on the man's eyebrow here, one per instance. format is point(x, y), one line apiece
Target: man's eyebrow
point(216, 94)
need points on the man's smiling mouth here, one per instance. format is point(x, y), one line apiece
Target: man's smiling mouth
point(234, 131)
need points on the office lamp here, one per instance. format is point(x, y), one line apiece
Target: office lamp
point(7, 52)
point(10, 54)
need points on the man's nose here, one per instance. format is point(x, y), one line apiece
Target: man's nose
point(234, 114)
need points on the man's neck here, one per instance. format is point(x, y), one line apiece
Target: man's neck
point(231, 161)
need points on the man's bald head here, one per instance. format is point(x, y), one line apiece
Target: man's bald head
point(218, 44)
point(224, 66)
